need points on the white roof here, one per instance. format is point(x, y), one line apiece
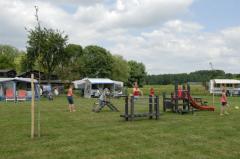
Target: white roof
point(227, 81)
point(17, 79)
point(79, 81)
point(97, 81)
point(118, 83)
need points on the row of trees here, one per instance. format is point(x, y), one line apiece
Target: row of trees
point(197, 76)
point(71, 61)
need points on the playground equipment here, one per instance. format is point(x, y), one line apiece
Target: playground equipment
point(182, 102)
point(104, 100)
point(99, 105)
point(153, 108)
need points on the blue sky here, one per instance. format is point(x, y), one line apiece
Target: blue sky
point(168, 36)
point(215, 14)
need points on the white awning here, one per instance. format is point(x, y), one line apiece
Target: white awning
point(100, 80)
point(118, 83)
point(96, 81)
point(17, 79)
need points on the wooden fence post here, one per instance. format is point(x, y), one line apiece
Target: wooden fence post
point(32, 107)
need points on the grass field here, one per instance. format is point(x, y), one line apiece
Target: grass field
point(104, 135)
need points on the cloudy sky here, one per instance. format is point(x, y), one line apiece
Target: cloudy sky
point(168, 36)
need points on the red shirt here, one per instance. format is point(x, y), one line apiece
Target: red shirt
point(180, 92)
point(223, 98)
point(151, 92)
point(136, 91)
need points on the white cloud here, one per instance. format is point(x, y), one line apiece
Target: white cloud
point(141, 30)
point(170, 49)
point(68, 2)
point(142, 13)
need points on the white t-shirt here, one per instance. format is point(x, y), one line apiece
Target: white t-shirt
point(102, 96)
point(56, 92)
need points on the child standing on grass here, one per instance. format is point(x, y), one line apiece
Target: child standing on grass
point(224, 103)
point(70, 99)
point(136, 91)
point(102, 98)
point(151, 92)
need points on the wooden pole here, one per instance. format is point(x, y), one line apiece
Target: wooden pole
point(32, 106)
point(38, 106)
point(126, 108)
point(157, 110)
point(132, 108)
point(39, 120)
point(213, 99)
point(150, 103)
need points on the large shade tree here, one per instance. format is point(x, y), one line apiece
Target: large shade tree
point(97, 62)
point(45, 47)
point(71, 66)
point(137, 73)
point(7, 56)
point(120, 68)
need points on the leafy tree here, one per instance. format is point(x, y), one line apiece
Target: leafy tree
point(120, 69)
point(46, 47)
point(137, 73)
point(97, 62)
point(6, 62)
point(18, 61)
point(237, 76)
point(73, 51)
point(25, 63)
point(72, 65)
point(7, 56)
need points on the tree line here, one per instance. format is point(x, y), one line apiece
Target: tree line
point(71, 61)
point(202, 76)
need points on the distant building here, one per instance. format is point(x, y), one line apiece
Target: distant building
point(8, 73)
point(231, 85)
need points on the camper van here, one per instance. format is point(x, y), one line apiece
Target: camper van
point(232, 86)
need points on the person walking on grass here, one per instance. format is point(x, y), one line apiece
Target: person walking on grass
point(71, 105)
point(224, 103)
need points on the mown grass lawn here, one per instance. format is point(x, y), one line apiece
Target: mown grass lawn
point(104, 135)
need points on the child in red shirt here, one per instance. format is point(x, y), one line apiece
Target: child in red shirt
point(224, 103)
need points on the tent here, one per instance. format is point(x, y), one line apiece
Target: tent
point(91, 87)
point(15, 85)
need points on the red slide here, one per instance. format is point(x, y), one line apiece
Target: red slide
point(200, 107)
